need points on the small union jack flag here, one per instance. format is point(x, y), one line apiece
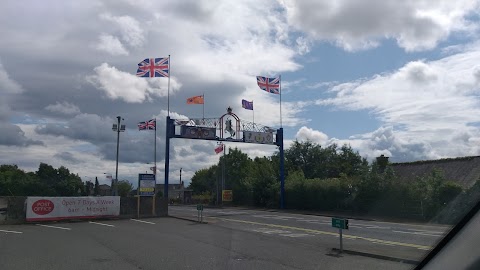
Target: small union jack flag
point(150, 124)
point(153, 67)
point(271, 85)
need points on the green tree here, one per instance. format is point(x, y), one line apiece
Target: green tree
point(262, 176)
point(236, 171)
point(328, 162)
point(204, 180)
point(124, 188)
point(96, 190)
point(88, 188)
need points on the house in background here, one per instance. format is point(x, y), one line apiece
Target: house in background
point(105, 190)
point(177, 192)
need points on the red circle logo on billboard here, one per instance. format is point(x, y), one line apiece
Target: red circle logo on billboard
point(42, 207)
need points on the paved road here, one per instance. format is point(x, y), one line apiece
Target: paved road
point(169, 243)
point(396, 240)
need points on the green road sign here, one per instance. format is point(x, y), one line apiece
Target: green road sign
point(340, 223)
point(199, 207)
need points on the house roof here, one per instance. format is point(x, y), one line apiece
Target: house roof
point(463, 170)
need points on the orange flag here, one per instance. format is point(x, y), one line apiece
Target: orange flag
point(195, 100)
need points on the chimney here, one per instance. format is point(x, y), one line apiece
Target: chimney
point(382, 162)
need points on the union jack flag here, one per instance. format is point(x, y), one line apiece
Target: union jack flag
point(153, 67)
point(271, 85)
point(150, 124)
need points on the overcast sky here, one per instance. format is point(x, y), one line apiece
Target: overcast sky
point(399, 78)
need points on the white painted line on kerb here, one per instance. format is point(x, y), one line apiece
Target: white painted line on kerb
point(143, 221)
point(54, 227)
point(5, 231)
point(98, 223)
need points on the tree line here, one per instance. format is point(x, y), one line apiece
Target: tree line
point(48, 181)
point(335, 179)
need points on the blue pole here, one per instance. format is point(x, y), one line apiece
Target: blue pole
point(167, 157)
point(282, 170)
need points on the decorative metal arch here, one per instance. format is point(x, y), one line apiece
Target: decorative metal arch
point(237, 126)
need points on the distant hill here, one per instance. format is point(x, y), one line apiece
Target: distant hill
point(463, 170)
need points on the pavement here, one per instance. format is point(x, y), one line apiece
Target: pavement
point(231, 239)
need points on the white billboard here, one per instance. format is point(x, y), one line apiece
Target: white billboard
point(58, 208)
point(258, 137)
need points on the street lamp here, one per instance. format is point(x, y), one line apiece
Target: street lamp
point(118, 128)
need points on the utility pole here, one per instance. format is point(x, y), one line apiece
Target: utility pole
point(118, 128)
point(181, 176)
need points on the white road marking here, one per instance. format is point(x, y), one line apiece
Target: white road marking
point(54, 227)
point(281, 232)
point(426, 231)
point(296, 234)
point(230, 212)
point(376, 227)
point(143, 221)
point(418, 233)
point(5, 231)
point(98, 223)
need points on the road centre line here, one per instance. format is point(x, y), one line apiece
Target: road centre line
point(98, 223)
point(54, 227)
point(347, 236)
point(5, 231)
point(143, 221)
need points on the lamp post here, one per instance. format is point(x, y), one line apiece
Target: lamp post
point(181, 176)
point(117, 128)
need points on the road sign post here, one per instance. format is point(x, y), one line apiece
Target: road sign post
point(341, 239)
point(200, 213)
point(341, 224)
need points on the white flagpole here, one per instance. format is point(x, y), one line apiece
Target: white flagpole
point(168, 88)
point(203, 111)
point(280, 90)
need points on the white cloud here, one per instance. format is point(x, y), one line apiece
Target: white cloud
point(7, 85)
point(111, 45)
point(122, 85)
point(420, 96)
point(131, 31)
point(430, 109)
point(13, 135)
point(308, 134)
point(353, 25)
point(63, 108)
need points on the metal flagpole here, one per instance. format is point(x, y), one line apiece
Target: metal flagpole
point(253, 112)
point(155, 166)
point(223, 171)
point(155, 151)
point(168, 88)
point(203, 112)
point(280, 90)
